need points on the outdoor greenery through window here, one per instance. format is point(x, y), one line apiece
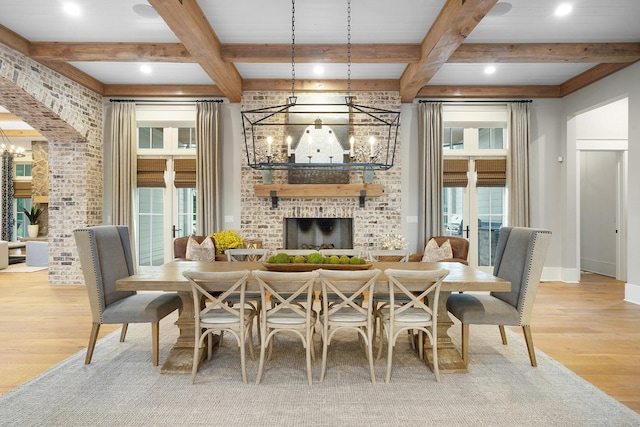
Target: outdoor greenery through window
point(23, 169)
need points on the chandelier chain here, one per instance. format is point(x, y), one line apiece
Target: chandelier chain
point(293, 48)
point(349, 48)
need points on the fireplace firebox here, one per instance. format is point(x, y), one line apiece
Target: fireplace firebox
point(318, 233)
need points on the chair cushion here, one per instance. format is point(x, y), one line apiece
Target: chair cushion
point(434, 253)
point(413, 315)
point(146, 307)
point(217, 317)
point(482, 309)
point(347, 315)
point(287, 316)
point(205, 251)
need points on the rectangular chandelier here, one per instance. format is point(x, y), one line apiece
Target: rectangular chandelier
point(320, 136)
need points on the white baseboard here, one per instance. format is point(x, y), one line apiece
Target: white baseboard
point(559, 274)
point(632, 293)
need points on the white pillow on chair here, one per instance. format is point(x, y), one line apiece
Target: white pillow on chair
point(205, 251)
point(434, 253)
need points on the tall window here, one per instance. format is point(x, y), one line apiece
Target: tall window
point(474, 172)
point(21, 198)
point(166, 194)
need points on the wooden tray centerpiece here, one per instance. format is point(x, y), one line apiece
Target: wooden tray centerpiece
point(310, 267)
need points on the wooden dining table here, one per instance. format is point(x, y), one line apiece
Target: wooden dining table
point(169, 278)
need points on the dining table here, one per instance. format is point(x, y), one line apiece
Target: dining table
point(169, 278)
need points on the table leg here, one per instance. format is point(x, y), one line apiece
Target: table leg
point(180, 358)
point(449, 358)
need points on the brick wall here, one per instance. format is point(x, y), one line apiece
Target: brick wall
point(70, 117)
point(380, 216)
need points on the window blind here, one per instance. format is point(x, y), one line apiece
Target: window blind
point(151, 172)
point(491, 172)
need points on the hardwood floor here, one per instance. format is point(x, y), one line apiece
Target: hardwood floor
point(587, 327)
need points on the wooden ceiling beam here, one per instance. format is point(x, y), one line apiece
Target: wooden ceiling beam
point(454, 23)
point(8, 117)
point(529, 91)
point(590, 76)
point(334, 53)
point(14, 40)
point(190, 25)
point(21, 133)
point(329, 53)
point(310, 85)
point(162, 90)
point(110, 52)
point(546, 53)
point(78, 76)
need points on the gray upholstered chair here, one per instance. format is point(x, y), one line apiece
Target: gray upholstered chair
point(520, 256)
point(105, 257)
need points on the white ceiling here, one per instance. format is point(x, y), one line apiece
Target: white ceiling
point(372, 21)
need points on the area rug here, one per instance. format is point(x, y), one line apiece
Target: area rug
point(122, 388)
point(21, 268)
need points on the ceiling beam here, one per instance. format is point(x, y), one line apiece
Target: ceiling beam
point(21, 133)
point(14, 40)
point(78, 76)
point(546, 52)
point(334, 53)
point(8, 117)
point(110, 52)
point(310, 85)
point(530, 91)
point(190, 25)
point(454, 23)
point(590, 76)
point(162, 90)
point(330, 53)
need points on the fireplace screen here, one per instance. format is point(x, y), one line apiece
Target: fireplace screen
point(318, 233)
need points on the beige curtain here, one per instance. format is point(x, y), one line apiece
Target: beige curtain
point(123, 159)
point(208, 168)
point(518, 164)
point(430, 151)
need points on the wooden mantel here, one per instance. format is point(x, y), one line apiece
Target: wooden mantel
point(318, 190)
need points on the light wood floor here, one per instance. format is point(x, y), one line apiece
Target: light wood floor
point(587, 327)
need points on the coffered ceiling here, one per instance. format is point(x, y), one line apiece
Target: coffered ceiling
point(422, 48)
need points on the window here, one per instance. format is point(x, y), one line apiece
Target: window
point(453, 139)
point(474, 177)
point(23, 169)
point(166, 193)
point(150, 138)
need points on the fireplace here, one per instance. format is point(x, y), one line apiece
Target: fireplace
point(318, 233)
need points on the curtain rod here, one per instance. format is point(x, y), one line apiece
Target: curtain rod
point(471, 101)
point(152, 101)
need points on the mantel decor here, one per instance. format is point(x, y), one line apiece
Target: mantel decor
point(321, 133)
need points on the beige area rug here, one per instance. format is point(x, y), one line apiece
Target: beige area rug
point(122, 388)
point(21, 268)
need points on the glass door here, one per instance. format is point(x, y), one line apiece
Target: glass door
point(164, 214)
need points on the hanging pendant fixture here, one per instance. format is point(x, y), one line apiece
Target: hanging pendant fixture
point(320, 131)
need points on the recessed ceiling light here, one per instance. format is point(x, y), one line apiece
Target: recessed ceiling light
point(146, 11)
point(489, 69)
point(563, 9)
point(145, 69)
point(318, 70)
point(71, 9)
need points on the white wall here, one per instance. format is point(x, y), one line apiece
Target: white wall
point(623, 84)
